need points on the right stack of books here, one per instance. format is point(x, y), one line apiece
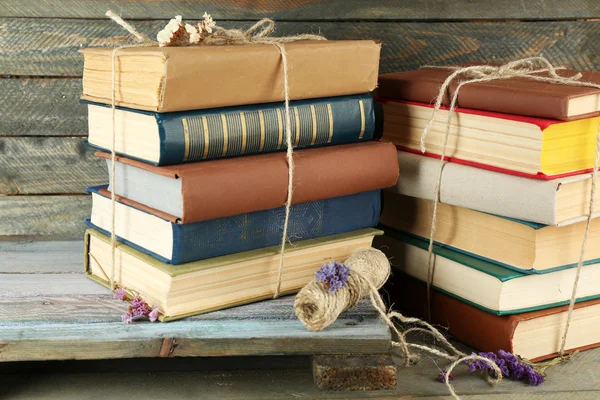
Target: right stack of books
point(514, 198)
point(201, 176)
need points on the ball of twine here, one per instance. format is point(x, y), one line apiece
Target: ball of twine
point(317, 308)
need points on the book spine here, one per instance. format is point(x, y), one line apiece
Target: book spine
point(478, 189)
point(221, 236)
point(233, 131)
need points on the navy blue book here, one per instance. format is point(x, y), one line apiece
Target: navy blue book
point(190, 136)
point(163, 237)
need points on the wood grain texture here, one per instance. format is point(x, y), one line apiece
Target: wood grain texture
point(42, 107)
point(48, 47)
point(69, 317)
point(44, 215)
point(302, 10)
point(22, 257)
point(33, 165)
point(344, 372)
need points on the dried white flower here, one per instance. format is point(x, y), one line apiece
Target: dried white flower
point(194, 33)
point(164, 36)
point(207, 23)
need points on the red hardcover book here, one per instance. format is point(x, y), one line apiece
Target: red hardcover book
point(534, 335)
point(514, 144)
point(519, 96)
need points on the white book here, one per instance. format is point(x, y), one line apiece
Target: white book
point(561, 201)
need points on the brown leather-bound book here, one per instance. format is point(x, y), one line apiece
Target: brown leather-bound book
point(511, 96)
point(534, 335)
point(213, 189)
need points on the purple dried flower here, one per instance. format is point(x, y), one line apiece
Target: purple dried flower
point(120, 294)
point(127, 317)
point(509, 364)
point(442, 376)
point(137, 302)
point(138, 308)
point(534, 378)
point(334, 275)
point(153, 316)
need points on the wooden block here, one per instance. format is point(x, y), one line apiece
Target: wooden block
point(354, 372)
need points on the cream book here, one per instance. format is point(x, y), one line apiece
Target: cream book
point(483, 284)
point(536, 147)
point(515, 244)
point(220, 282)
point(559, 202)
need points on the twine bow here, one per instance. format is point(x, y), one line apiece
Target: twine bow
point(256, 34)
point(530, 69)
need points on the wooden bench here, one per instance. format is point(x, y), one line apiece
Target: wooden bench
point(49, 310)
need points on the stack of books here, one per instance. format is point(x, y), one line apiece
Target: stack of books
point(514, 198)
point(201, 174)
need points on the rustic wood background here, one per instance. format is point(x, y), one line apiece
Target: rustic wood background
point(44, 167)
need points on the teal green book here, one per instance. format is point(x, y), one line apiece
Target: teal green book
point(198, 135)
point(484, 284)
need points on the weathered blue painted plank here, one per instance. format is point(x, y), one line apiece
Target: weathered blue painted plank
point(55, 316)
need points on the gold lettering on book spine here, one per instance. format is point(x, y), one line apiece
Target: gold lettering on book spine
point(206, 143)
point(362, 119)
point(314, 125)
point(330, 115)
point(297, 118)
point(221, 135)
point(225, 135)
point(280, 129)
point(186, 138)
point(262, 130)
point(244, 132)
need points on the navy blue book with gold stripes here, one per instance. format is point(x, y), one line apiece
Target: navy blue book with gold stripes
point(191, 136)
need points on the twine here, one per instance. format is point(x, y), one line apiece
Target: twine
point(256, 34)
point(369, 270)
point(527, 68)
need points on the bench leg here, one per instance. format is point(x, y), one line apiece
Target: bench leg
point(347, 372)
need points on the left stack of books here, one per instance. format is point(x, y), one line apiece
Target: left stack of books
point(201, 176)
point(514, 196)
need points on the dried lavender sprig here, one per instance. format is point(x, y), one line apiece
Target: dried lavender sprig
point(334, 275)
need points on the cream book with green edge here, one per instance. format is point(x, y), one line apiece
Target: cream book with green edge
point(198, 287)
point(483, 284)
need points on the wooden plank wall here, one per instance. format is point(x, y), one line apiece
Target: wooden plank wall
point(44, 168)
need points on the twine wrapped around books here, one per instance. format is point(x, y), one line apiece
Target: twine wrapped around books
point(317, 308)
point(257, 34)
point(527, 68)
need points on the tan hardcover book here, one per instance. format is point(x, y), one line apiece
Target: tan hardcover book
point(198, 77)
point(516, 244)
point(227, 281)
